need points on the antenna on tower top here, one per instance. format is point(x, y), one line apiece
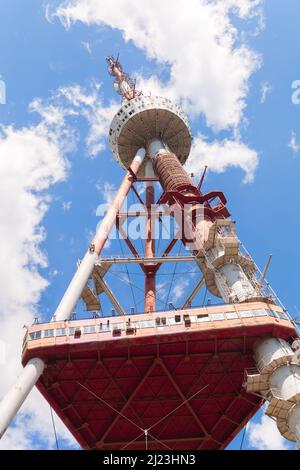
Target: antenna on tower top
point(123, 84)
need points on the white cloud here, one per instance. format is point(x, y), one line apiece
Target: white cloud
point(66, 206)
point(32, 160)
point(161, 290)
point(264, 435)
point(210, 64)
point(221, 155)
point(73, 102)
point(89, 105)
point(265, 89)
point(107, 190)
point(208, 58)
point(293, 144)
point(87, 46)
point(180, 289)
point(33, 428)
point(54, 272)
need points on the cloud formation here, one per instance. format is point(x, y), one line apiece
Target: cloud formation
point(220, 155)
point(264, 435)
point(209, 61)
point(293, 143)
point(265, 89)
point(32, 160)
point(89, 105)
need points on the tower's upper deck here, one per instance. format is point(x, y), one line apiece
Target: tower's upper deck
point(143, 119)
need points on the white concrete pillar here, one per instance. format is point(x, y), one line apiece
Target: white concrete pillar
point(14, 399)
point(156, 146)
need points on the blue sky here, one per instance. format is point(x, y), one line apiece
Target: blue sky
point(62, 71)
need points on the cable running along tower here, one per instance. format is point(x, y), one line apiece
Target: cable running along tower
point(184, 378)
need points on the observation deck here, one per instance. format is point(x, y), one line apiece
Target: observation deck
point(145, 118)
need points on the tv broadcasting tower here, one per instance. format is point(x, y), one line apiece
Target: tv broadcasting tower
point(183, 378)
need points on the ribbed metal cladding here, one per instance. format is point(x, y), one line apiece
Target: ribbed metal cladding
point(170, 172)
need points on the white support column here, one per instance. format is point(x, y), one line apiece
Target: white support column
point(193, 293)
point(14, 399)
point(109, 294)
point(73, 292)
point(156, 146)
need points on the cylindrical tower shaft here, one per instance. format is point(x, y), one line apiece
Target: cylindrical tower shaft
point(14, 399)
point(230, 279)
point(171, 173)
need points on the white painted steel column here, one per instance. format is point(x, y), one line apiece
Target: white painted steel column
point(156, 146)
point(73, 292)
point(14, 399)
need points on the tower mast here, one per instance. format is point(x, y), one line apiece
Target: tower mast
point(150, 138)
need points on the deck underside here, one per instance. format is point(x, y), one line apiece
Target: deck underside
point(183, 385)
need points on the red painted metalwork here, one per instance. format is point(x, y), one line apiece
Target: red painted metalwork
point(185, 388)
point(179, 187)
point(150, 268)
point(98, 244)
point(137, 195)
point(202, 179)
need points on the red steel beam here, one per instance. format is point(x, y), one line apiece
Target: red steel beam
point(164, 440)
point(137, 195)
point(150, 269)
point(130, 245)
point(184, 398)
point(101, 442)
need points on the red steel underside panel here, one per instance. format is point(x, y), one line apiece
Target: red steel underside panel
point(185, 389)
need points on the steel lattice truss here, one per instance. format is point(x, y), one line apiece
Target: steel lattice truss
point(186, 394)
